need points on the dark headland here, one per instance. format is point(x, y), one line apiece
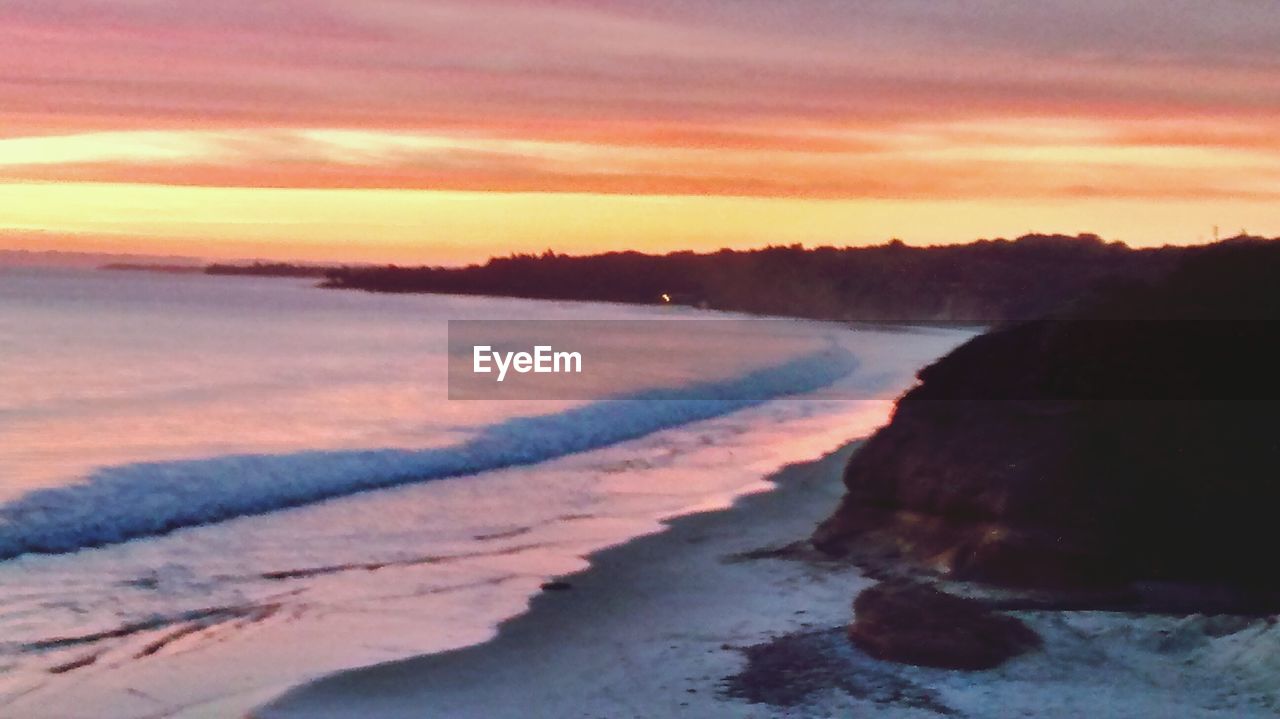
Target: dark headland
point(981, 282)
point(1121, 454)
point(976, 282)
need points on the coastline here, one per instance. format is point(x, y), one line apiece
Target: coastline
point(714, 617)
point(147, 636)
point(645, 630)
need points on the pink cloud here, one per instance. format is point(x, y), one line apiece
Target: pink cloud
point(142, 63)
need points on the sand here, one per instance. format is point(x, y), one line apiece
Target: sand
point(704, 620)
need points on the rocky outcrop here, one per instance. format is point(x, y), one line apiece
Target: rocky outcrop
point(1131, 440)
point(917, 624)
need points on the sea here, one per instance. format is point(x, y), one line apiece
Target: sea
point(214, 488)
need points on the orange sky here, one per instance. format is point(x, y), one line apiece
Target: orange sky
point(398, 130)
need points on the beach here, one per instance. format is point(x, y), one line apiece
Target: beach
point(648, 630)
point(724, 614)
point(253, 521)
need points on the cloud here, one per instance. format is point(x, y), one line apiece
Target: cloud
point(810, 98)
point(916, 160)
point(395, 63)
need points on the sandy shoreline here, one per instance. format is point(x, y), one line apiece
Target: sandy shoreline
point(663, 625)
point(642, 632)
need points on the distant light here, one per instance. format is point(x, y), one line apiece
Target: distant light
point(666, 297)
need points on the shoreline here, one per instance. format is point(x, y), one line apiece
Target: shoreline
point(657, 602)
point(719, 615)
point(147, 644)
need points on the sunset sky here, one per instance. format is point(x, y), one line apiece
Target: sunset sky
point(447, 131)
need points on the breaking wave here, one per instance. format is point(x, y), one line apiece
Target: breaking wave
point(120, 503)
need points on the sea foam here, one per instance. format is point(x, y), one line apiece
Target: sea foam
point(120, 503)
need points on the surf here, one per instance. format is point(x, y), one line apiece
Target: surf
point(132, 501)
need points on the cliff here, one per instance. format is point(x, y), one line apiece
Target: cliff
point(1130, 439)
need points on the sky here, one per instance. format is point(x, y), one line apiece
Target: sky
point(449, 131)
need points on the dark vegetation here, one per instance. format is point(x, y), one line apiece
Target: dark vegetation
point(146, 267)
point(978, 282)
point(269, 269)
point(255, 269)
point(1128, 439)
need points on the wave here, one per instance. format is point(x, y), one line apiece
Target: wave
point(117, 504)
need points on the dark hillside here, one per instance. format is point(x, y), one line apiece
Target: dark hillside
point(978, 282)
point(1129, 438)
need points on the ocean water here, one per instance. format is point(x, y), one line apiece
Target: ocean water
point(213, 488)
